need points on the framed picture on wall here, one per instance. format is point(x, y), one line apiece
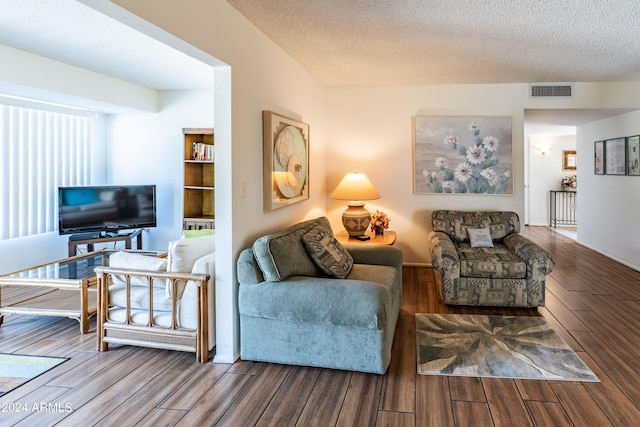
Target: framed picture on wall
point(286, 161)
point(633, 155)
point(615, 156)
point(462, 155)
point(598, 166)
point(569, 160)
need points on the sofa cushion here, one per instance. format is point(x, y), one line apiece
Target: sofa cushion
point(456, 223)
point(480, 237)
point(497, 262)
point(327, 252)
point(362, 300)
point(282, 254)
point(133, 261)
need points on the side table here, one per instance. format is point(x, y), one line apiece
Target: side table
point(388, 238)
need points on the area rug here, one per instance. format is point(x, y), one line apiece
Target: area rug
point(524, 347)
point(17, 369)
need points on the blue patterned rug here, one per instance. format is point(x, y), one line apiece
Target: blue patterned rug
point(17, 369)
point(523, 347)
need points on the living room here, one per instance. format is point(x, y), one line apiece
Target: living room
point(352, 128)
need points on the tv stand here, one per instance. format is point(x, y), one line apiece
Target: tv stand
point(76, 241)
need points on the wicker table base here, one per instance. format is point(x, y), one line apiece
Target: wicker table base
point(64, 288)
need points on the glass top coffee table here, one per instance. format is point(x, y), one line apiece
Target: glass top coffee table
point(64, 288)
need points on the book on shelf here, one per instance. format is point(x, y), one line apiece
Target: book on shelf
point(202, 151)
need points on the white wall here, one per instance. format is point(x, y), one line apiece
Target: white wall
point(148, 149)
point(261, 77)
point(370, 131)
point(608, 205)
point(35, 77)
point(545, 172)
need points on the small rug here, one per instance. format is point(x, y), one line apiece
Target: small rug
point(17, 369)
point(523, 347)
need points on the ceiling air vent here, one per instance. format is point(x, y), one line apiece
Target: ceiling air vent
point(550, 90)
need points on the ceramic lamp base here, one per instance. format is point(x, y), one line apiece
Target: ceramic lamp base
point(356, 219)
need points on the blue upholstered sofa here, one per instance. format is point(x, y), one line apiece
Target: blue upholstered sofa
point(294, 310)
point(506, 269)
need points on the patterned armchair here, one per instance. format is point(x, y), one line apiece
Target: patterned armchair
point(509, 271)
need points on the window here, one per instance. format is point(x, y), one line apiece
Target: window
point(41, 149)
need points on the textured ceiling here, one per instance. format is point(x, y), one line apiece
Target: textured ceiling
point(358, 42)
point(417, 42)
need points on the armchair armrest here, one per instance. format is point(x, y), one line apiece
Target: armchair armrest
point(152, 334)
point(200, 278)
point(375, 254)
point(444, 256)
point(174, 281)
point(539, 261)
point(247, 269)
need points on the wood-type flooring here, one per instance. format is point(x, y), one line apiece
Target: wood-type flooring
point(592, 301)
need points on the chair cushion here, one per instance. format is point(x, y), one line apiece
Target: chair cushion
point(327, 252)
point(141, 317)
point(133, 261)
point(139, 297)
point(204, 265)
point(184, 253)
point(359, 301)
point(186, 234)
point(282, 254)
point(497, 262)
point(456, 223)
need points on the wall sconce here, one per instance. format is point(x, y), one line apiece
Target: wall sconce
point(355, 187)
point(542, 150)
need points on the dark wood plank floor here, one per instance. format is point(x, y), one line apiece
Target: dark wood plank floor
point(592, 301)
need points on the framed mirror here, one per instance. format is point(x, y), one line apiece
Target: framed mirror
point(569, 160)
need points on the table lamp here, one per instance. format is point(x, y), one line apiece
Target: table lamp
point(355, 187)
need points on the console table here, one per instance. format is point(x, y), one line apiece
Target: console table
point(562, 208)
point(127, 238)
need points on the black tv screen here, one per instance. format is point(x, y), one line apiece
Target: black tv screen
point(106, 208)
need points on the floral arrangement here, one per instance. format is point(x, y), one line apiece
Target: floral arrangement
point(475, 173)
point(379, 222)
point(569, 182)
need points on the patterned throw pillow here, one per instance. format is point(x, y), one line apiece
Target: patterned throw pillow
point(480, 237)
point(327, 252)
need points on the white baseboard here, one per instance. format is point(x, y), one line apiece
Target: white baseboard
point(616, 259)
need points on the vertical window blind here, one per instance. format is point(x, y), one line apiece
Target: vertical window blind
point(40, 150)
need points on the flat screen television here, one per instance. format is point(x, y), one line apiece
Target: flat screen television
point(106, 209)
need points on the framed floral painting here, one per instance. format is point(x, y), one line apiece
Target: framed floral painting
point(462, 155)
